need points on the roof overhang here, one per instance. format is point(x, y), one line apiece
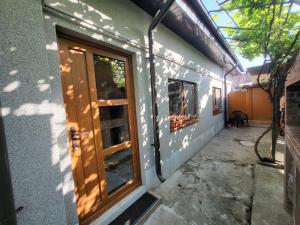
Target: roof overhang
point(263, 69)
point(190, 21)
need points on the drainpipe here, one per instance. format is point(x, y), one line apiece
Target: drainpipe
point(7, 206)
point(157, 19)
point(225, 99)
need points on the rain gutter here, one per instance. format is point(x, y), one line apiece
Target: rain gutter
point(205, 17)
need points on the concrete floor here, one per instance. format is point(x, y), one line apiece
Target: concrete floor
point(224, 185)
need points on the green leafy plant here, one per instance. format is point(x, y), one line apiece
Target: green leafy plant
point(268, 28)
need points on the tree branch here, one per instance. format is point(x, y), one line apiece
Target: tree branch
point(257, 142)
point(257, 5)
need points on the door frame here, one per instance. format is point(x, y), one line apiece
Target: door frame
point(128, 188)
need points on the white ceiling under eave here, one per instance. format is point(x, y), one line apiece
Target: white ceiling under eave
point(196, 31)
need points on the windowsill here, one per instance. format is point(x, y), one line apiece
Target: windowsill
point(217, 112)
point(187, 123)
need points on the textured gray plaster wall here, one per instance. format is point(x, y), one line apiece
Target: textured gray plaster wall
point(28, 108)
point(33, 107)
point(102, 21)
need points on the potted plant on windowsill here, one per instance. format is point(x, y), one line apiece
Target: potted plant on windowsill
point(173, 122)
point(184, 119)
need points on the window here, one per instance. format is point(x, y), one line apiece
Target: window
point(217, 100)
point(182, 103)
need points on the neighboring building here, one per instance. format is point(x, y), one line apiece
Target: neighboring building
point(76, 101)
point(292, 137)
point(251, 99)
point(264, 74)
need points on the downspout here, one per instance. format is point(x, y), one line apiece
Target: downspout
point(157, 19)
point(225, 99)
point(7, 205)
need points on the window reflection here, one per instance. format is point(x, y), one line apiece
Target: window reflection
point(189, 100)
point(174, 97)
point(114, 125)
point(217, 100)
point(118, 169)
point(110, 78)
point(182, 103)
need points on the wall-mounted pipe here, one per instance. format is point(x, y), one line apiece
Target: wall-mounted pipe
point(157, 19)
point(7, 205)
point(225, 95)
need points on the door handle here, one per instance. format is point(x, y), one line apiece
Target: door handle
point(75, 136)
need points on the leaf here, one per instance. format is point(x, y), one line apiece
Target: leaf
point(257, 15)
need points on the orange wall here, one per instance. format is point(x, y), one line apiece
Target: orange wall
point(252, 101)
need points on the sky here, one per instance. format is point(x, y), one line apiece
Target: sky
point(223, 20)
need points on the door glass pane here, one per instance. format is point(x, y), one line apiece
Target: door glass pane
point(110, 78)
point(118, 169)
point(114, 125)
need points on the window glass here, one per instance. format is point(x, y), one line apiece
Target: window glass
point(189, 100)
point(110, 78)
point(114, 125)
point(118, 169)
point(217, 100)
point(182, 103)
point(174, 97)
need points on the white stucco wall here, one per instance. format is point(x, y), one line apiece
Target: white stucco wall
point(33, 106)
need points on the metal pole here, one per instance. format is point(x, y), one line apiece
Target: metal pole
point(225, 95)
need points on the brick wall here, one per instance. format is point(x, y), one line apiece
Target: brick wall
point(293, 104)
point(293, 93)
point(292, 153)
point(294, 73)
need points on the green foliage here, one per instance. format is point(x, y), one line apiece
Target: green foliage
point(273, 26)
point(117, 68)
point(215, 16)
point(272, 31)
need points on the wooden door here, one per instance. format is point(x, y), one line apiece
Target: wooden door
point(99, 102)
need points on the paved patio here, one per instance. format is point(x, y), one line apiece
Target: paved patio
point(224, 185)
